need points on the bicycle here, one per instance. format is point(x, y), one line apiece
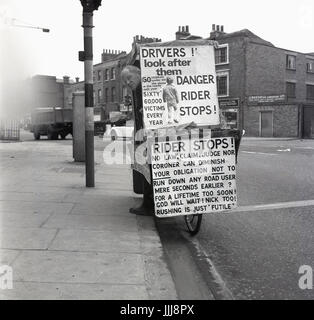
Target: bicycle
point(193, 223)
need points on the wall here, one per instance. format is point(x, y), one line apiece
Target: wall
point(285, 120)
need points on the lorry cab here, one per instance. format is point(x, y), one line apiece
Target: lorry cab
point(51, 122)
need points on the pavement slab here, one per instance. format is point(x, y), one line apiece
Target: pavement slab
point(47, 207)
point(26, 238)
point(73, 291)
point(79, 267)
point(32, 220)
point(92, 222)
point(8, 256)
point(98, 241)
point(101, 205)
point(32, 196)
point(65, 241)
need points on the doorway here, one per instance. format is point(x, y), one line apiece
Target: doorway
point(266, 124)
point(308, 122)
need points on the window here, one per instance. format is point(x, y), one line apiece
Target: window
point(290, 89)
point(223, 84)
point(113, 73)
point(94, 78)
point(113, 94)
point(106, 95)
point(94, 100)
point(106, 74)
point(98, 75)
point(99, 95)
point(310, 66)
point(310, 91)
point(291, 62)
point(229, 117)
point(221, 55)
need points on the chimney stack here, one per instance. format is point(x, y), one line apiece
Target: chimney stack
point(183, 32)
point(77, 79)
point(217, 30)
point(66, 79)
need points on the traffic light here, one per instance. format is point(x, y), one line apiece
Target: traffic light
point(90, 5)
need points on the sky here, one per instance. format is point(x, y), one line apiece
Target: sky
point(25, 52)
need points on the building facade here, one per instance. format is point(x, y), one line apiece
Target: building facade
point(266, 90)
point(108, 91)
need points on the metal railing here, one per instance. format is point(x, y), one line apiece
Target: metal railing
point(9, 130)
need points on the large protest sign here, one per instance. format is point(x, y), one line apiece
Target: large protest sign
point(194, 176)
point(179, 85)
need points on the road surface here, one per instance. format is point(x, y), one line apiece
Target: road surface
point(256, 252)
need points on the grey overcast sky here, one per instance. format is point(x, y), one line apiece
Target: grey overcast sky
point(24, 52)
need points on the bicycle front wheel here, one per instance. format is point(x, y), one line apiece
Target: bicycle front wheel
point(193, 223)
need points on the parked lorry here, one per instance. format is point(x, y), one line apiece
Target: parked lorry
point(51, 122)
point(55, 122)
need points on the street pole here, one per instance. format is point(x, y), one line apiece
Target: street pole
point(87, 56)
point(89, 98)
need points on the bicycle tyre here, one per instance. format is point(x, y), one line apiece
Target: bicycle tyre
point(193, 223)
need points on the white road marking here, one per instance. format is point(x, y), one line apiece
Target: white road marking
point(284, 150)
point(269, 154)
point(221, 286)
point(278, 205)
point(311, 148)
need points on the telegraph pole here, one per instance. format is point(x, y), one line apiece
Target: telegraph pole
point(87, 56)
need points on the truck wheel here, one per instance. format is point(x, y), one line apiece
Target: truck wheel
point(36, 135)
point(49, 135)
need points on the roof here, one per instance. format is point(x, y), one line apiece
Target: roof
point(243, 33)
point(112, 59)
point(191, 37)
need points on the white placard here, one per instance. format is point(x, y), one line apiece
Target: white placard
point(194, 176)
point(179, 86)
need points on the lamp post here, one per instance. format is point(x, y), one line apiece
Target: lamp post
point(87, 56)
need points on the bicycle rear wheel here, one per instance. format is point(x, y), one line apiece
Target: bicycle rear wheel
point(193, 223)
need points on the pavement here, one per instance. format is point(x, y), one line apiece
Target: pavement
point(66, 241)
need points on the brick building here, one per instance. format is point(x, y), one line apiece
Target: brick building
point(108, 91)
point(266, 90)
point(71, 87)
